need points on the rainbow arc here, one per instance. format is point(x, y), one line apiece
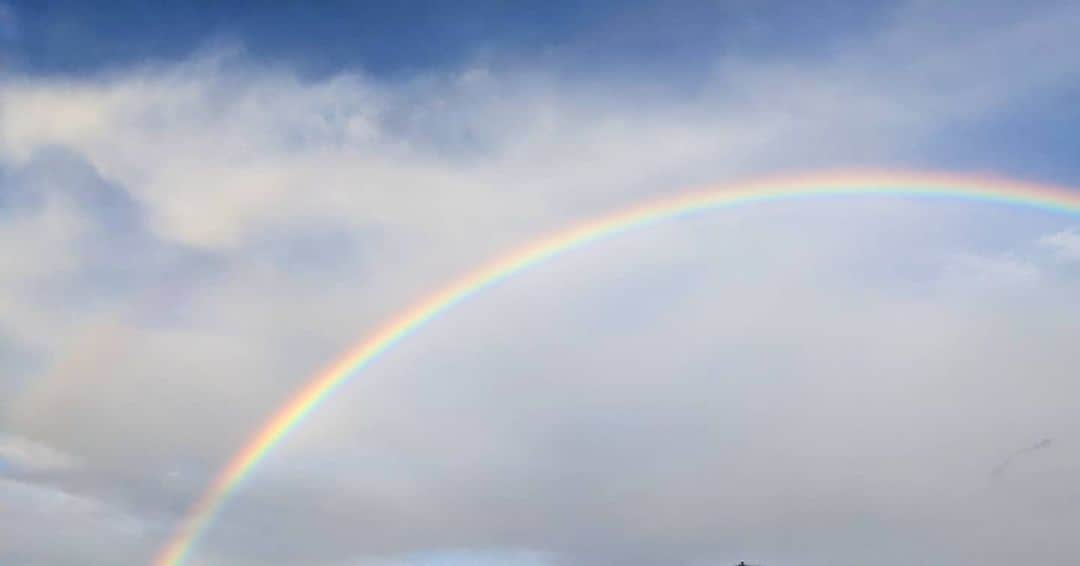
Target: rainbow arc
point(352, 363)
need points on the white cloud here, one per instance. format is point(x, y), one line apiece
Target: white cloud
point(1065, 244)
point(338, 145)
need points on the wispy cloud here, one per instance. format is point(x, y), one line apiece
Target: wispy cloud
point(22, 454)
point(1065, 244)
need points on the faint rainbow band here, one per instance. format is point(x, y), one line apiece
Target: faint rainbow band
point(397, 328)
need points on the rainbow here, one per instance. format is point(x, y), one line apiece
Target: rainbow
point(322, 385)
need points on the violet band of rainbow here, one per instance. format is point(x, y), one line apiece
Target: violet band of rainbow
point(858, 184)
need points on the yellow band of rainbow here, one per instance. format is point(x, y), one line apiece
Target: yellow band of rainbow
point(319, 387)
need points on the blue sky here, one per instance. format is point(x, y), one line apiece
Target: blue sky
point(414, 36)
point(662, 45)
point(201, 203)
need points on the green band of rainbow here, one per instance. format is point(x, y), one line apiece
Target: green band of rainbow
point(289, 415)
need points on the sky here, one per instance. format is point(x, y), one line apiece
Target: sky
point(204, 203)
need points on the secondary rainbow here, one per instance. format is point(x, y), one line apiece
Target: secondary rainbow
point(306, 399)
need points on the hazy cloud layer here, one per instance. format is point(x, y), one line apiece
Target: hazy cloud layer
point(1066, 244)
point(828, 382)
